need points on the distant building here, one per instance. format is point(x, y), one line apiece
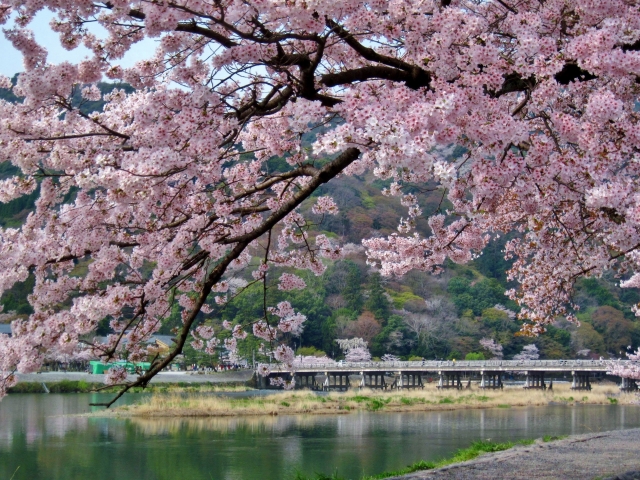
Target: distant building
point(163, 343)
point(5, 328)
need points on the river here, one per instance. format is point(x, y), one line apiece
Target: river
point(41, 439)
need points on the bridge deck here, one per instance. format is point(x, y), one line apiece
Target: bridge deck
point(458, 366)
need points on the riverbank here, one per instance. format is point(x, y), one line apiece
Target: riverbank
point(164, 382)
point(306, 402)
point(607, 455)
point(162, 377)
point(80, 386)
point(465, 454)
point(599, 456)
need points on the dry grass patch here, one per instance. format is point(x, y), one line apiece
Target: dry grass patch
point(302, 402)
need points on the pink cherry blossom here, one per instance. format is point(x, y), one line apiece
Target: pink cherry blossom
point(284, 354)
point(289, 281)
point(358, 354)
point(115, 375)
point(239, 333)
point(355, 349)
point(204, 331)
point(529, 352)
point(493, 347)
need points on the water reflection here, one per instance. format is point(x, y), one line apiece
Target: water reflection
point(38, 435)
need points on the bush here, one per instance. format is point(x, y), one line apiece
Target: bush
point(310, 352)
point(474, 356)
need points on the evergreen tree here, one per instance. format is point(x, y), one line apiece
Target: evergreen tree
point(352, 292)
point(378, 303)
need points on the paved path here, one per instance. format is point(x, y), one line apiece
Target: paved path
point(606, 455)
point(162, 377)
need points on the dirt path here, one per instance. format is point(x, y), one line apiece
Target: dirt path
point(606, 455)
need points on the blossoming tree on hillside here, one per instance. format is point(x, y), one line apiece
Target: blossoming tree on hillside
point(355, 349)
point(529, 352)
point(492, 347)
point(167, 191)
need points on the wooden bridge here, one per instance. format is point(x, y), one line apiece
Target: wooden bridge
point(449, 374)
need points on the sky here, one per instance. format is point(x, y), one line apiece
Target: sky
point(11, 59)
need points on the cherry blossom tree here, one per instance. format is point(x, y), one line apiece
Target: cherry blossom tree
point(358, 354)
point(627, 370)
point(529, 352)
point(355, 349)
point(174, 177)
point(387, 357)
point(312, 360)
point(493, 347)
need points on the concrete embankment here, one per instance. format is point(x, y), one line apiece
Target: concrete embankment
point(238, 376)
point(608, 455)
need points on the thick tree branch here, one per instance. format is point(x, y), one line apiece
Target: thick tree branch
point(322, 175)
point(193, 27)
point(414, 79)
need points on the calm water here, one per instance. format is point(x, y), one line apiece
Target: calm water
point(38, 436)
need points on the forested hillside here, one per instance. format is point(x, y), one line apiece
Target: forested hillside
point(416, 316)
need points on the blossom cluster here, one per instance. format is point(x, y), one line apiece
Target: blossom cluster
point(355, 349)
point(529, 352)
point(492, 347)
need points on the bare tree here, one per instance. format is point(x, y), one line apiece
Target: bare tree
point(365, 327)
point(433, 325)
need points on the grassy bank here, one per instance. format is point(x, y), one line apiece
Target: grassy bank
point(305, 402)
point(476, 449)
point(81, 386)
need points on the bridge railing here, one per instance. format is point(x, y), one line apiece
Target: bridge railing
point(448, 364)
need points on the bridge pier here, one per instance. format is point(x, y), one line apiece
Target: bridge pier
point(375, 380)
point(492, 380)
point(628, 385)
point(407, 380)
point(450, 380)
point(306, 380)
point(340, 381)
point(535, 381)
point(580, 381)
point(413, 380)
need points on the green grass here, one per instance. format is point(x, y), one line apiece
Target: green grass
point(462, 455)
point(373, 403)
point(64, 386)
point(553, 438)
point(564, 399)
point(377, 404)
point(319, 476)
point(81, 386)
point(360, 398)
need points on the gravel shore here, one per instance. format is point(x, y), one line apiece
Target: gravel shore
point(606, 455)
